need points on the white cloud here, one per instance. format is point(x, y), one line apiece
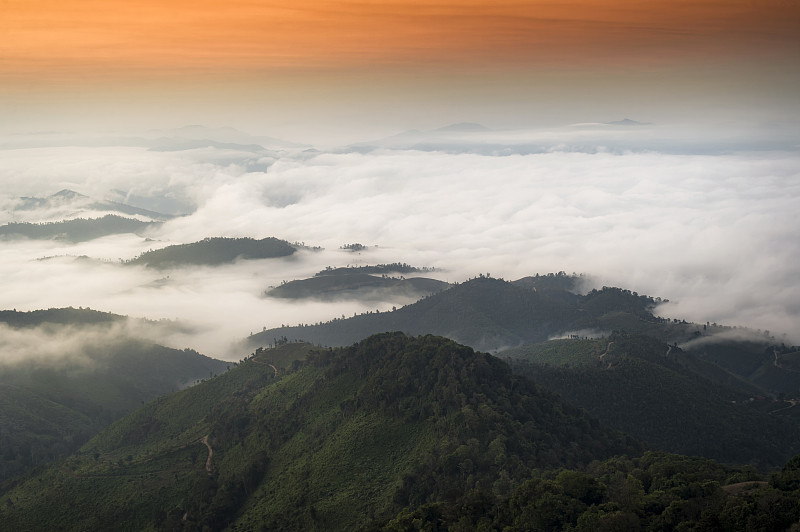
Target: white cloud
point(716, 234)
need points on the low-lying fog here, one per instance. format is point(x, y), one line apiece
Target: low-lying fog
point(709, 222)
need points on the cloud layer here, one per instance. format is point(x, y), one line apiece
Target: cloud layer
point(714, 232)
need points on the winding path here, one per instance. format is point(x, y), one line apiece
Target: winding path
point(204, 441)
point(605, 353)
point(267, 364)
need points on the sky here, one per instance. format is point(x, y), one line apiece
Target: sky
point(309, 108)
point(334, 70)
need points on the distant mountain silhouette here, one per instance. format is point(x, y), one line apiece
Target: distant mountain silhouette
point(463, 126)
point(179, 144)
point(79, 203)
point(628, 122)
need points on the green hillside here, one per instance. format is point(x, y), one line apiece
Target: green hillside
point(492, 314)
point(213, 252)
point(495, 315)
point(350, 436)
point(668, 398)
point(49, 407)
point(392, 433)
point(77, 230)
point(772, 367)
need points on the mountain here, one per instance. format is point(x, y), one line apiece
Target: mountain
point(76, 230)
point(628, 122)
point(51, 406)
point(648, 376)
point(348, 436)
point(760, 359)
point(469, 127)
point(492, 314)
point(72, 204)
point(58, 316)
point(464, 136)
point(392, 433)
point(181, 144)
point(356, 283)
point(671, 399)
point(214, 251)
point(496, 315)
point(228, 135)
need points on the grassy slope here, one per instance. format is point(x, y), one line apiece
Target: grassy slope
point(52, 407)
point(352, 434)
point(490, 314)
point(677, 403)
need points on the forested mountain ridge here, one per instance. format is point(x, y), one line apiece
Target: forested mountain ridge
point(392, 433)
point(361, 286)
point(632, 376)
point(496, 315)
point(671, 399)
point(492, 314)
point(51, 403)
point(78, 229)
point(213, 252)
point(62, 316)
point(70, 201)
point(391, 422)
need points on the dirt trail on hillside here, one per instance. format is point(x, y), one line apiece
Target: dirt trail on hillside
point(204, 441)
point(267, 364)
point(605, 353)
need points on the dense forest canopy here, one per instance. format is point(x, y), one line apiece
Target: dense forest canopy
point(78, 229)
point(392, 433)
point(214, 251)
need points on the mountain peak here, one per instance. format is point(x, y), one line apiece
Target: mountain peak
point(68, 194)
point(464, 127)
point(627, 122)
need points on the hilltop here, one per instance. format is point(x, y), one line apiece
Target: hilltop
point(491, 314)
point(378, 282)
point(367, 430)
point(78, 229)
point(392, 433)
point(496, 315)
point(213, 252)
point(682, 387)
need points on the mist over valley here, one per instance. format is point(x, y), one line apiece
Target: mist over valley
point(287, 309)
point(711, 232)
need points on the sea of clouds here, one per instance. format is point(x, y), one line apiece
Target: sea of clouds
point(711, 226)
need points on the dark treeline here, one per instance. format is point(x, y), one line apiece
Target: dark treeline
point(666, 397)
point(214, 251)
point(395, 267)
point(77, 230)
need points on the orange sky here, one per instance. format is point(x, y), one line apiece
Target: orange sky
point(409, 63)
point(89, 39)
